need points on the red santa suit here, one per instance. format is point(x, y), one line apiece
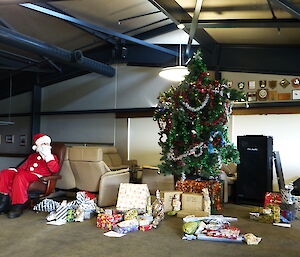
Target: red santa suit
point(15, 182)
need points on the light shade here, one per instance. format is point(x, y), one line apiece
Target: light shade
point(175, 73)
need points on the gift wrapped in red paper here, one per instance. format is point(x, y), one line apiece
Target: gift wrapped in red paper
point(107, 221)
point(272, 198)
point(146, 227)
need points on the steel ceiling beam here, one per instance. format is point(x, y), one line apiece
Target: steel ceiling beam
point(289, 7)
point(74, 58)
point(96, 28)
point(194, 25)
point(248, 23)
point(177, 14)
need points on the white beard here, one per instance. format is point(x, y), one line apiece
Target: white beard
point(42, 148)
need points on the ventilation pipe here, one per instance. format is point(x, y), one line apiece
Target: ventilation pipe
point(36, 46)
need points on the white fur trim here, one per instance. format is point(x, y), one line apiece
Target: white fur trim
point(34, 147)
point(43, 139)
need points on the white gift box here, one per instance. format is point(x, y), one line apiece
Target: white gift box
point(133, 196)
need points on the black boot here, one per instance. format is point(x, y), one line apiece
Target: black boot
point(4, 202)
point(16, 211)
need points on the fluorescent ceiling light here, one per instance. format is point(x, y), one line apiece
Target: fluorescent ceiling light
point(7, 122)
point(175, 73)
point(181, 26)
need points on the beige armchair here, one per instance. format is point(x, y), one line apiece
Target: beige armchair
point(113, 160)
point(92, 174)
point(228, 176)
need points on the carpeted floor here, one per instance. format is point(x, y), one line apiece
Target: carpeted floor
point(30, 236)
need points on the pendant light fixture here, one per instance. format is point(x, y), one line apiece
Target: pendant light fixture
point(175, 73)
point(9, 122)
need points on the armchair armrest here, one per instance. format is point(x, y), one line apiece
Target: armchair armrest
point(51, 181)
point(149, 167)
point(109, 186)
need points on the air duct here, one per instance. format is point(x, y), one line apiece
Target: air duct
point(36, 46)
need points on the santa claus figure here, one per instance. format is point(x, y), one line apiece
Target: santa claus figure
point(14, 182)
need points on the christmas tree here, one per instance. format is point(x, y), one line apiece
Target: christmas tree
point(192, 119)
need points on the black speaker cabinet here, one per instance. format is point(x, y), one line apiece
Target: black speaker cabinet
point(255, 171)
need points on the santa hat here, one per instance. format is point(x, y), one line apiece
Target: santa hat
point(39, 139)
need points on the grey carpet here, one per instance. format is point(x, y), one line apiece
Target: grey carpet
point(30, 236)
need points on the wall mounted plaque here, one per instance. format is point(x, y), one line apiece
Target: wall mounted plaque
point(296, 82)
point(284, 96)
point(263, 83)
point(272, 84)
point(262, 94)
point(284, 83)
point(296, 94)
point(251, 85)
point(241, 85)
point(251, 96)
point(273, 95)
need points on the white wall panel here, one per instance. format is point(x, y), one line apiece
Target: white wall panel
point(88, 128)
point(143, 141)
point(91, 91)
point(139, 87)
point(19, 104)
point(132, 87)
point(283, 128)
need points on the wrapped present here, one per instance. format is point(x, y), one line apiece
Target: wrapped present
point(47, 205)
point(145, 220)
point(193, 186)
point(108, 221)
point(272, 198)
point(62, 210)
point(158, 210)
point(146, 227)
point(133, 196)
point(125, 230)
point(126, 226)
point(131, 214)
point(70, 215)
point(269, 214)
point(289, 215)
point(275, 211)
point(288, 211)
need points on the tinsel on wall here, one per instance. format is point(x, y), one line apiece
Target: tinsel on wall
point(192, 119)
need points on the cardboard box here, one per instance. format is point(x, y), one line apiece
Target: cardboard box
point(167, 199)
point(192, 201)
point(184, 213)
